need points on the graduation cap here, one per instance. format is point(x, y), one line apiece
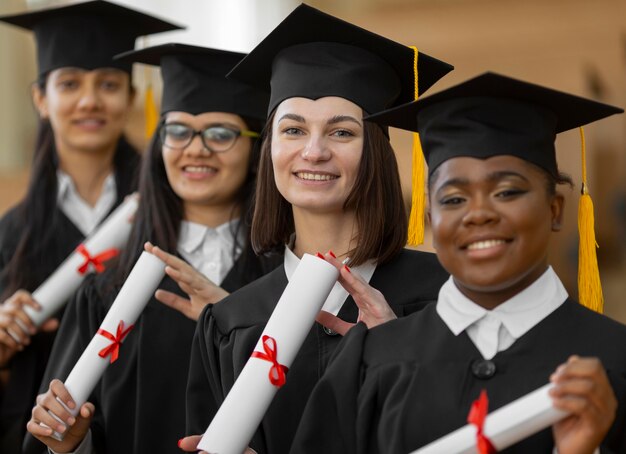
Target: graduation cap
point(194, 80)
point(311, 54)
point(492, 115)
point(87, 34)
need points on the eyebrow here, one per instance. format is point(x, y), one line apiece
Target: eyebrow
point(334, 120)
point(492, 177)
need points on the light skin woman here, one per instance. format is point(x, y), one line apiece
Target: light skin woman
point(210, 189)
point(87, 111)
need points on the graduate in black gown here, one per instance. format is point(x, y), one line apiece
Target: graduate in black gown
point(327, 183)
point(503, 322)
point(83, 167)
point(195, 194)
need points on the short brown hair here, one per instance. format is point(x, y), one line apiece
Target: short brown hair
point(376, 198)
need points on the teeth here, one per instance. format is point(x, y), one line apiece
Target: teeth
point(198, 169)
point(484, 244)
point(315, 176)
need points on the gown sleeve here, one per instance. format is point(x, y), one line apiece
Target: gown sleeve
point(205, 392)
point(329, 422)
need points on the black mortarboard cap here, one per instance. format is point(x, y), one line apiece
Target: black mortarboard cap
point(312, 54)
point(86, 34)
point(493, 115)
point(194, 80)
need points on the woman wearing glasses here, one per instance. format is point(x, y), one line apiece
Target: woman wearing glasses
point(195, 187)
point(82, 168)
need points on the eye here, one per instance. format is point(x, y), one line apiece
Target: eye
point(67, 84)
point(343, 133)
point(110, 85)
point(292, 131)
point(509, 193)
point(219, 134)
point(177, 131)
point(451, 200)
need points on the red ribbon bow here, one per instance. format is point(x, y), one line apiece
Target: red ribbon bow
point(97, 261)
point(477, 416)
point(113, 349)
point(277, 371)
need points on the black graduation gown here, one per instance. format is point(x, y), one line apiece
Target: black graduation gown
point(140, 400)
point(409, 382)
point(228, 332)
point(27, 367)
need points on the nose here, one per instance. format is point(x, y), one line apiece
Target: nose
point(316, 149)
point(480, 211)
point(89, 98)
point(196, 147)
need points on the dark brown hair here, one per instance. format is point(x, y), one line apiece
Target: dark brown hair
point(376, 198)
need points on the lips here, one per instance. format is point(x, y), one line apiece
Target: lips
point(90, 122)
point(484, 244)
point(315, 176)
point(199, 170)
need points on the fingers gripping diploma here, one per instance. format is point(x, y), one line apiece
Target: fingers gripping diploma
point(582, 388)
point(51, 413)
point(200, 289)
point(16, 328)
point(373, 307)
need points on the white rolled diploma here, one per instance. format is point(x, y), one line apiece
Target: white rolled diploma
point(241, 412)
point(504, 427)
point(63, 283)
point(133, 297)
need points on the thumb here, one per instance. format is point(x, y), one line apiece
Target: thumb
point(50, 325)
point(83, 420)
point(189, 444)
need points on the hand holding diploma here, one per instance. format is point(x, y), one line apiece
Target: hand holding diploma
point(201, 290)
point(582, 389)
point(105, 348)
point(579, 404)
point(373, 307)
point(53, 412)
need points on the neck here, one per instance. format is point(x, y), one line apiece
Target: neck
point(211, 216)
point(87, 169)
point(322, 233)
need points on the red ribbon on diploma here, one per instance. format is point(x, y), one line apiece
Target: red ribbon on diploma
point(114, 348)
point(477, 416)
point(277, 371)
point(97, 260)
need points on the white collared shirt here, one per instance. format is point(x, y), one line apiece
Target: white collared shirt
point(496, 330)
point(209, 250)
point(84, 216)
point(338, 294)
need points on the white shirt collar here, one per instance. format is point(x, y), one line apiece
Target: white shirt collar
point(82, 215)
point(338, 294)
point(209, 250)
point(518, 314)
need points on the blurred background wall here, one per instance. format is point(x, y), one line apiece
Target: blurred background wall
point(573, 45)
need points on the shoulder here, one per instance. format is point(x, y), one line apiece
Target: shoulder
point(597, 326)
point(416, 267)
point(250, 305)
point(9, 223)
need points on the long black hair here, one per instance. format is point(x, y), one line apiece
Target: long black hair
point(160, 212)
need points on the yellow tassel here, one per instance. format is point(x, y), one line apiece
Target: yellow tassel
point(416, 218)
point(151, 113)
point(589, 285)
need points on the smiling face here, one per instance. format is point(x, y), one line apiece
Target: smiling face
point(316, 151)
point(202, 178)
point(491, 221)
point(87, 109)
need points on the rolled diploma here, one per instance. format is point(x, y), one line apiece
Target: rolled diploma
point(241, 412)
point(504, 427)
point(63, 283)
point(136, 292)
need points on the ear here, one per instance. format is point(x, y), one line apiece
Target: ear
point(430, 222)
point(40, 101)
point(557, 206)
point(131, 95)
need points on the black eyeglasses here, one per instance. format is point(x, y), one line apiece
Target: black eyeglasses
point(215, 138)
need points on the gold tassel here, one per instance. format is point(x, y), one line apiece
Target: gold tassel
point(151, 112)
point(589, 285)
point(416, 218)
